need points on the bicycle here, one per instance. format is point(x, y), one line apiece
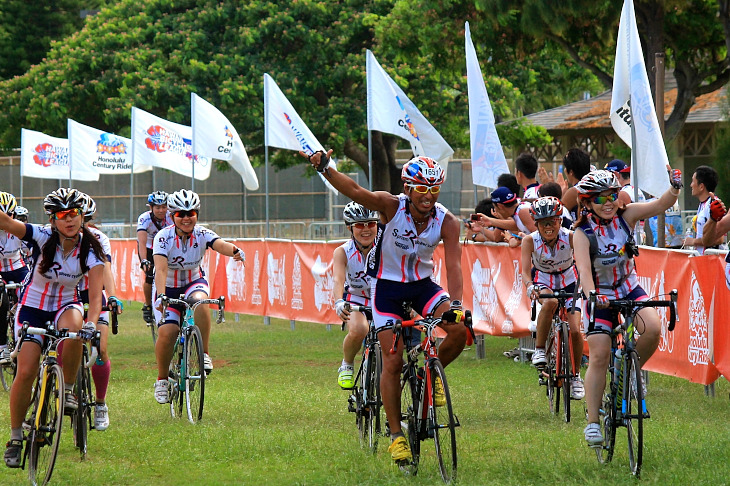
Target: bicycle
point(560, 369)
point(43, 424)
point(7, 374)
point(421, 417)
point(83, 419)
point(624, 404)
point(186, 375)
point(365, 399)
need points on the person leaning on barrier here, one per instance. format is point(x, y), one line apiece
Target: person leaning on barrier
point(715, 227)
point(478, 233)
point(704, 182)
point(402, 264)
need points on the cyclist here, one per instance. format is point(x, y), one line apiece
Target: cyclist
point(350, 276)
point(547, 266)
point(101, 369)
point(63, 251)
point(604, 252)
point(402, 264)
point(12, 269)
point(148, 224)
point(21, 214)
point(178, 253)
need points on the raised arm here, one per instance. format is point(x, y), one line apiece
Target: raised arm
point(12, 226)
point(228, 249)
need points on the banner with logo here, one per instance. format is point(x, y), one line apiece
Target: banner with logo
point(390, 111)
point(46, 157)
point(165, 144)
point(215, 137)
point(106, 152)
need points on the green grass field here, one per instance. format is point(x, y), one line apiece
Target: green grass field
point(274, 415)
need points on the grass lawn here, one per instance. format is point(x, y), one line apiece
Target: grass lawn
point(274, 415)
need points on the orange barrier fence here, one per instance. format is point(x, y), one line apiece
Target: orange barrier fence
point(293, 280)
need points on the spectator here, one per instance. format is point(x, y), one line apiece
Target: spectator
point(525, 171)
point(704, 182)
point(477, 233)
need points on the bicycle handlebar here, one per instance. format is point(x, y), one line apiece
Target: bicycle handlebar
point(220, 302)
point(628, 304)
point(112, 308)
point(58, 335)
point(428, 324)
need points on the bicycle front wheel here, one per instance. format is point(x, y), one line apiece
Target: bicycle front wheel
point(441, 418)
point(45, 434)
point(551, 370)
point(409, 403)
point(566, 368)
point(634, 408)
point(371, 397)
point(81, 419)
point(194, 374)
point(176, 384)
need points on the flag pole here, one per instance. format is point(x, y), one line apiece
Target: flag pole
point(192, 141)
point(266, 152)
point(370, 160)
point(131, 183)
point(69, 153)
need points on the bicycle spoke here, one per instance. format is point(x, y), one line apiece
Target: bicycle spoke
point(195, 375)
point(410, 396)
point(607, 420)
point(566, 370)
point(442, 422)
point(45, 438)
point(634, 412)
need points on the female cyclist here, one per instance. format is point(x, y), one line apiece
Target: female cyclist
point(178, 252)
point(12, 269)
point(547, 266)
point(63, 251)
point(148, 224)
point(349, 275)
point(604, 252)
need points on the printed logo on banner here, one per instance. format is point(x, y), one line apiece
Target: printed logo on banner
point(514, 299)
point(666, 338)
point(296, 284)
point(236, 274)
point(698, 352)
point(485, 300)
point(161, 140)
point(256, 295)
point(323, 283)
point(306, 148)
point(277, 279)
point(405, 122)
point(109, 143)
point(229, 143)
point(123, 275)
point(47, 155)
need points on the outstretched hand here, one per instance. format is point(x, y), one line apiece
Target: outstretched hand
point(318, 159)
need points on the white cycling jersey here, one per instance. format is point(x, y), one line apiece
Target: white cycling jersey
point(105, 245)
point(56, 288)
point(183, 257)
point(10, 256)
point(553, 266)
point(357, 282)
point(148, 223)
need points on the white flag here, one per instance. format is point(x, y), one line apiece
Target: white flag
point(390, 111)
point(215, 137)
point(632, 104)
point(46, 157)
point(106, 152)
point(162, 143)
point(284, 128)
point(487, 156)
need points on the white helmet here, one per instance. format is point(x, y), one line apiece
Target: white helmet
point(89, 206)
point(183, 200)
point(356, 213)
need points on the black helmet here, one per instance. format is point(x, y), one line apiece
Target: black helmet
point(63, 198)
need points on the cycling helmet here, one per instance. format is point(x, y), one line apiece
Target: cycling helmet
point(7, 203)
point(356, 213)
point(63, 198)
point(596, 182)
point(157, 198)
point(21, 214)
point(423, 170)
point(89, 206)
point(546, 207)
point(183, 200)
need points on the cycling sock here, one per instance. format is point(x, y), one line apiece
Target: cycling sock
point(101, 373)
point(345, 363)
point(16, 434)
point(396, 435)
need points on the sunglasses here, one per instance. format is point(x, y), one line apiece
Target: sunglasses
point(186, 214)
point(604, 199)
point(73, 212)
point(369, 224)
point(548, 222)
point(424, 189)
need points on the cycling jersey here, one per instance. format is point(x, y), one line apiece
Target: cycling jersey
point(56, 288)
point(105, 245)
point(703, 216)
point(516, 216)
point(10, 252)
point(147, 222)
point(183, 257)
point(553, 266)
point(531, 192)
point(401, 254)
point(357, 282)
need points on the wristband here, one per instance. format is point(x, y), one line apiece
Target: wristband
point(456, 304)
point(474, 237)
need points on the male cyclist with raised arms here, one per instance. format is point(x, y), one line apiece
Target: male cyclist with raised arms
point(402, 264)
point(352, 282)
point(63, 251)
point(101, 370)
point(178, 252)
point(12, 269)
point(547, 267)
point(148, 224)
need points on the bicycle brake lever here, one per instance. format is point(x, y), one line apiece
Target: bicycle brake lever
point(396, 335)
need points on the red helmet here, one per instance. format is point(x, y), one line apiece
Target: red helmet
point(546, 207)
point(423, 170)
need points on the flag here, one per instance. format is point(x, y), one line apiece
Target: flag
point(215, 137)
point(165, 144)
point(487, 156)
point(284, 128)
point(105, 152)
point(390, 111)
point(633, 107)
point(46, 157)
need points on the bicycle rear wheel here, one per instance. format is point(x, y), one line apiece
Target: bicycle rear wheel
point(370, 397)
point(410, 397)
point(176, 384)
point(566, 368)
point(607, 420)
point(442, 420)
point(194, 374)
point(46, 436)
point(634, 410)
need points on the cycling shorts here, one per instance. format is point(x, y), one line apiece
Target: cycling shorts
point(388, 297)
point(173, 313)
point(40, 318)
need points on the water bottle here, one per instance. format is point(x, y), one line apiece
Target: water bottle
point(689, 234)
point(617, 364)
